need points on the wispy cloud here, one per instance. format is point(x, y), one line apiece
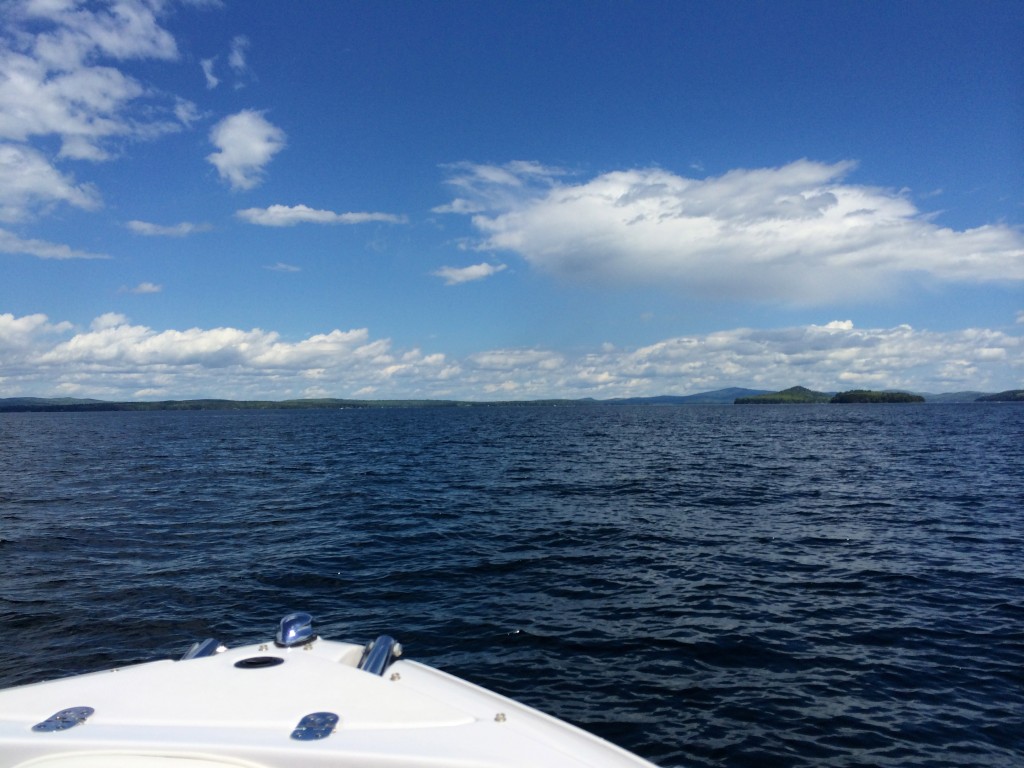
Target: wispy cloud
point(207, 65)
point(116, 358)
point(282, 267)
point(246, 142)
point(158, 230)
point(186, 112)
point(144, 288)
point(290, 215)
point(63, 83)
point(42, 249)
point(53, 84)
point(492, 187)
point(512, 360)
point(237, 63)
point(457, 275)
point(29, 184)
point(236, 58)
point(798, 233)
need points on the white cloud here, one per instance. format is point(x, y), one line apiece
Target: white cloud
point(282, 267)
point(114, 358)
point(121, 30)
point(27, 331)
point(117, 359)
point(56, 78)
point(828, 357)
point(29, 183)
point(236, 58)
point(212, 81)
point(236, 62)
point(457, 275)
point(798, 233)
point(62, 84)
point(186, 112)
point(491, 187)
point(144, 288)
point(41, 249)
point(839, 325)
point(517, 360)
point(159, 230)
point(246, 142)
point(290, 215)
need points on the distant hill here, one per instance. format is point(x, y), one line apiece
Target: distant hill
point(30, 402)
point(1009, 396)
point(786, 397)
point(65, 404)
point(720, 396)
point(951, 397)
point(715, 397)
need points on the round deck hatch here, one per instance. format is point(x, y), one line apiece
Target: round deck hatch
point(259, 662)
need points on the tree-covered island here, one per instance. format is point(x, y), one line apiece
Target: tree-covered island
point(785, 397)
point(801, 395)
point(869, 396)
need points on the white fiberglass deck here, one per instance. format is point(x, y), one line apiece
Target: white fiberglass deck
point(207, 712)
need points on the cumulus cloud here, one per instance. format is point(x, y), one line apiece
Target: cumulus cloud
point(798, 233)
point(28, 331)
point(159, 230)
point(246, 142)
point(457, 275)
point(115, 358)
point(42, 249)
point(112, 340)
point(832, 356)
point(290, 215)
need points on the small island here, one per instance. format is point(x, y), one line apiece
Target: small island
point(785, 397)
point(869, 396)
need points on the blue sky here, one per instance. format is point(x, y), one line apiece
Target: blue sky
point(509, 200)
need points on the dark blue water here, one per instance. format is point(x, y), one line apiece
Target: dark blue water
point(708, 586)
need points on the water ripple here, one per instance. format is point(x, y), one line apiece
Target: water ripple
point(708, 586)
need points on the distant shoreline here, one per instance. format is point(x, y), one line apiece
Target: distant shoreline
point(730, 396)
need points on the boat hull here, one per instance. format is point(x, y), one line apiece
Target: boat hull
point(246, 707)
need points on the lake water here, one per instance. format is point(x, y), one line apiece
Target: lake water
point(705, 585)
